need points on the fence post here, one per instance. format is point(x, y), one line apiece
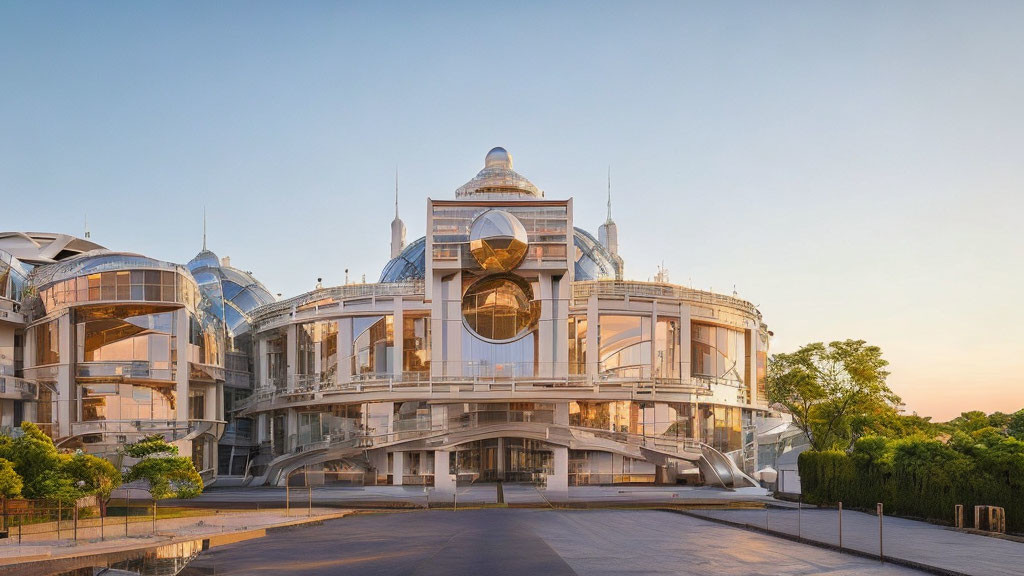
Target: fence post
point(799, 511)
point(881, 555)
point(154, 516)
point(127, 507)
point(958, 516)
point(287, 495)
point(102, 521)
point(59, 516)
point(75, 517)
point(840, 525)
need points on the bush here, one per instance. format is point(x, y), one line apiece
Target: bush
point(921, 477)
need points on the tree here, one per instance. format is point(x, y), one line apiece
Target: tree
point(167, 474)
point(10, 481)
point(969, 421)
point(46, 473)
point(831, 390)
point(97, 476)
point(1016, 426)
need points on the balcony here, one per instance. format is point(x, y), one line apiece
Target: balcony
point(618, 288)
point(12, 388)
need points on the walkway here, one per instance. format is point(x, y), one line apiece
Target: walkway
point(920, 542)
point(46, 546)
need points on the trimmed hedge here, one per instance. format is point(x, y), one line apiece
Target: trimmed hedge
point(920, 477)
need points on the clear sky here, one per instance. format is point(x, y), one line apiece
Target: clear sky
point(855, 169)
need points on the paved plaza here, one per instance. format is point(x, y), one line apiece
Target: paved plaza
point(517, 542)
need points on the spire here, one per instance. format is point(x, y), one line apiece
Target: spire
point(204, 228)
point(609, 193)
point(397, 226)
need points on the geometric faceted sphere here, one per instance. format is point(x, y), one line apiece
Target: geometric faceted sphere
point(498, 241)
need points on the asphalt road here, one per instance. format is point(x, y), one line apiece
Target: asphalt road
point(521, 542)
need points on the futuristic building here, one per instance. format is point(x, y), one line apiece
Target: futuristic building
point(100, 348)
point(505, 345)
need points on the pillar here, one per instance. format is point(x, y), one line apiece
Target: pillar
point(444, 482)
point(398, 468)
point(291, 354)
point(67, 408)
point(398, 348)
point(558, 483)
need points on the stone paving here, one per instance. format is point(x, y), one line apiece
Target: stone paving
point(48, 546)
point(517, 542)
point(920, 542)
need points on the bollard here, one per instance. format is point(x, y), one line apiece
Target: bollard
point(287, 495)
point(309, 488)
point(958, 516)
point(881, 555)
point(840, 525)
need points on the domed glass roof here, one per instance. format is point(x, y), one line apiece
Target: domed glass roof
point(410, 264)
point(593, 262)
point(498, 178)
point(234, 293)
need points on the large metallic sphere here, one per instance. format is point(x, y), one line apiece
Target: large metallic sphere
point(498, 241)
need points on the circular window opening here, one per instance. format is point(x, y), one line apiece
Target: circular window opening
point(500, 308)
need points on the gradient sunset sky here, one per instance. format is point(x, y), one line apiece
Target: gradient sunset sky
point(855, 169)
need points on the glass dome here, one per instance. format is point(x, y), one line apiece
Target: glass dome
point(234, 293)
point(409, 265)
point(592, 260)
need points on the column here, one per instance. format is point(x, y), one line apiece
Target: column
point(398, 468)
point(558, 483)
point(685, 332)
point(593, 316)
point(67, 408)
point(444, 482)
point(399, 327)
point(654, 337)
point(545, 327)
point(292, 354)
point(344, 350)
point(184, 353)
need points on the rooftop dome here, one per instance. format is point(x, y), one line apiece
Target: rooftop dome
point(234, 293)
point(498, 179)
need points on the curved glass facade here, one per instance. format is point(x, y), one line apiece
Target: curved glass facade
point(410, 264)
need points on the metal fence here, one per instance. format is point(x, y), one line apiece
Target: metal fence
point(24, 520)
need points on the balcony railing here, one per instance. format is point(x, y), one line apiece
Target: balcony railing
point(619, 288)
point(335, 294)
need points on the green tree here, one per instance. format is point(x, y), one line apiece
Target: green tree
point(831, 390)
point(167, 474)
point(10, 481)
point(969, 421)
point(48, 474)
point(96, 475)
point(1016, 426)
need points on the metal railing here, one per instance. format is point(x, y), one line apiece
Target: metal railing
point(583, 290)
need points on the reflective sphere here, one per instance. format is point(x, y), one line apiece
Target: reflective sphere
point(500, 308)
point(498, 241)
point(498, 158)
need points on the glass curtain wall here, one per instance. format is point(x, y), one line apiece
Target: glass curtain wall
point(47, 343)
point(277, 359)
point(624, 345)
point(373, 341)
point(650, 419)
point(316, 350)
point(718, 352)
point(577, 345)
point(416, 344)
point(135, 341)
point(722, 427)
point(666, 348)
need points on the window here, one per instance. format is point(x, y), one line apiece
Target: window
point(718, 352)
point(47, 340)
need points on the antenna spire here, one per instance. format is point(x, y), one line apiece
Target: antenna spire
point(609, 193)
point(204, 228)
